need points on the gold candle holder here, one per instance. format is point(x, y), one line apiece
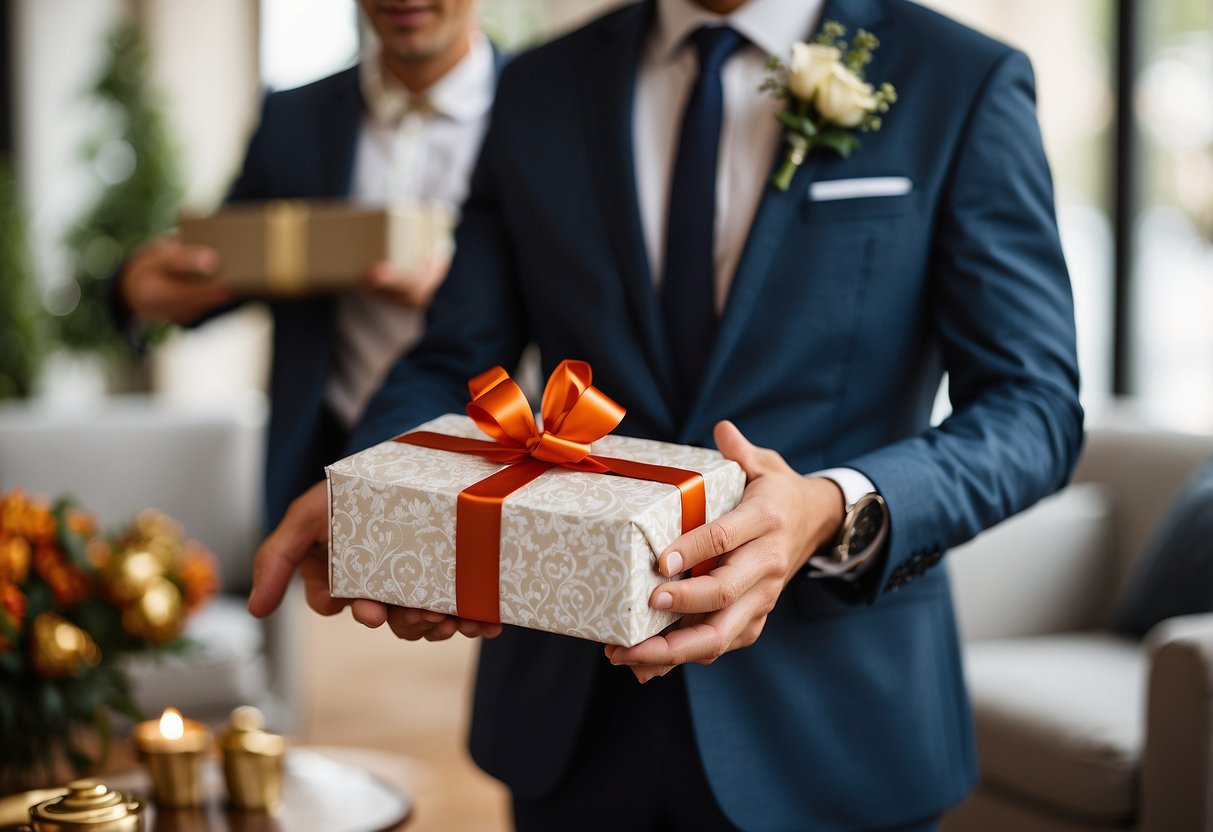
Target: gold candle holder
point(252, 762)
point(173, 750)
point(88, 805)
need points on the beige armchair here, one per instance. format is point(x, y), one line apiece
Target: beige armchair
point(1078, 728)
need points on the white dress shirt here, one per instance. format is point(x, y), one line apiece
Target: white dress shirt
point(414, 147)
point(750, 135)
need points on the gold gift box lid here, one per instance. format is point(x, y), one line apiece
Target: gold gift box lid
point(294, 247)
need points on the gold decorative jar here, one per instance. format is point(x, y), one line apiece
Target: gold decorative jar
point(88, 805)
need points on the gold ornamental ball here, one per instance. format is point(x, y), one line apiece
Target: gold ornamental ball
point(132, 573)
point(156, 615)
point(60, 648)
point(159, 535)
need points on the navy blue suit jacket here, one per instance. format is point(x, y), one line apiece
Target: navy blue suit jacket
point(850, 710)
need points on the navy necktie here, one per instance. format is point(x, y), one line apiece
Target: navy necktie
point(687, 288)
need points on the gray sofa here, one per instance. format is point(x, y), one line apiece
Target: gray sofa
point(1077, 728)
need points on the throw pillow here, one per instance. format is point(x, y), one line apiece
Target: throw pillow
point(1175, 575)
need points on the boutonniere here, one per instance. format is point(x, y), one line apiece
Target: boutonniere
point(826, 98)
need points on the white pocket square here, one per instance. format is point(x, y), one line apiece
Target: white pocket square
point(871, 186)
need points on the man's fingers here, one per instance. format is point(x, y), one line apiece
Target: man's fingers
point(676, 646)
point(407, 623)
point(702, 641)
point(649, 672)
point(273, 566)
point(708, 593)
point(186, 302)
point(413, 624)
point(379, 275)
point(474, 629)
point(751, 519)
point(314, 571)
point(304, 526)
point(733, 445)
point(369, 613)
point(191, 260)
point(412, 288)
point(443, 630)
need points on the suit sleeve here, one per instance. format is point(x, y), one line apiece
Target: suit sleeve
point(475, 321)
point(1004, 320)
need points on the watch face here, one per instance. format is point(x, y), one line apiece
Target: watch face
point(869, 520)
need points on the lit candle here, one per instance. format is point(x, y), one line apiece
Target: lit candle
point(173, 750)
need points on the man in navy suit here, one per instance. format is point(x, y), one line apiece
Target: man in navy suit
point(406, 122)
point(809, 686)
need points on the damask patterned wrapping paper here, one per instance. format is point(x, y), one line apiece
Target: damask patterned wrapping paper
point(577, 549)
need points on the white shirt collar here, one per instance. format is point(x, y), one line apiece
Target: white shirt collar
point(771, 25)
point(463, 94)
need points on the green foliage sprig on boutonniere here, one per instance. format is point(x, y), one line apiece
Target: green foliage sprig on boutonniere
point(826, 96)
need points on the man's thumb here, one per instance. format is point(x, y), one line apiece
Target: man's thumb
point(733, 445)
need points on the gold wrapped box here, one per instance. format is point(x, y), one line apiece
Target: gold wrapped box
point(292, 247)
point(576, 549)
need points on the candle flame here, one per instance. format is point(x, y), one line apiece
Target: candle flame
point(172, 726)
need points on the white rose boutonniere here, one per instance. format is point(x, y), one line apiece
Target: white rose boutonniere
point(826, 97)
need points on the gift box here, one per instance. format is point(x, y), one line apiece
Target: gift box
point(292, 247)
point(575, 552)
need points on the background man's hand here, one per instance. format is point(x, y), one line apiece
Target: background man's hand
point(782, 519)
point(411, 289)
point(168, 281)
point(300, 544)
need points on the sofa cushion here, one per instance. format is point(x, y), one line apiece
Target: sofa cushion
point(1059, 720)
point(1042, 571)
point(224, 668)
point(1175, 575)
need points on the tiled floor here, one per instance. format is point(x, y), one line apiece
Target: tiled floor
point(366, 688)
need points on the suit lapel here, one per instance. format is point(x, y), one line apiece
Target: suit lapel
point(768, 228)
point(610, 82)
point(339, 136)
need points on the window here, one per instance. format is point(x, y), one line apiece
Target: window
point(305, 40)
point(1171, 325)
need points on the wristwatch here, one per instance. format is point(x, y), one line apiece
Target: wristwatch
point(864, 529)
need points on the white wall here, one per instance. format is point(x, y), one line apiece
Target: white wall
point(204, 60)
point(59, 46)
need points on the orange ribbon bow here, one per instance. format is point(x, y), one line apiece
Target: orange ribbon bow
point(575, 413)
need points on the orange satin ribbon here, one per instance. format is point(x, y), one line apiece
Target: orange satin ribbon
point(575, 413)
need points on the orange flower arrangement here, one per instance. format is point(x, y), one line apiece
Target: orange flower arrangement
point(72, 601)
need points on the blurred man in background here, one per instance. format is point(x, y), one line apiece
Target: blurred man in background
point(406, 122)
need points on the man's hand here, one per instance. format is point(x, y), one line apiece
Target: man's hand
point(409, 289)
point(300, 543)
point(782, 519)
point(168, 281)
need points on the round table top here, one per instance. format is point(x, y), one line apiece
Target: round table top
point(319, 794)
